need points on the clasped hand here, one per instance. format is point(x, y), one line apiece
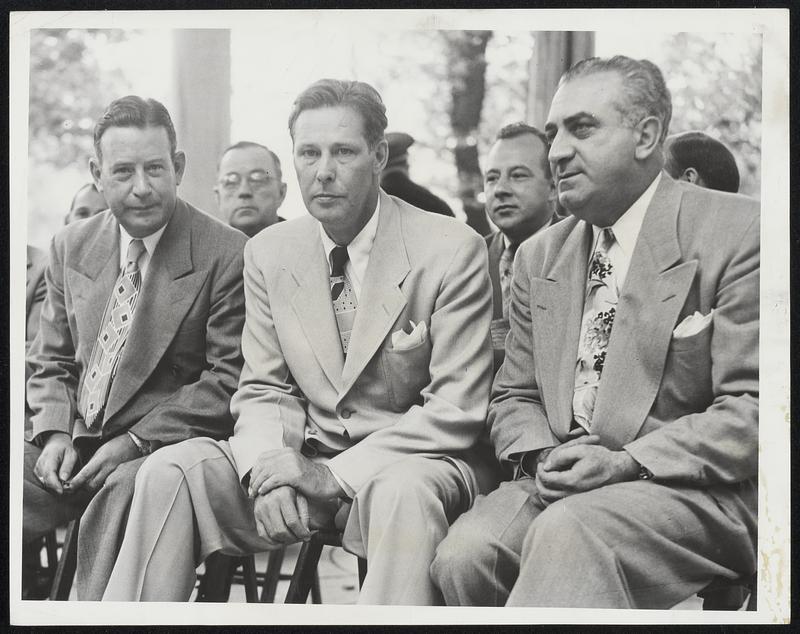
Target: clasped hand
point(288, 467)
point(581, 465)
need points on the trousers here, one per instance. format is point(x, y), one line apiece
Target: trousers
point(189, 503)
point(628, 545)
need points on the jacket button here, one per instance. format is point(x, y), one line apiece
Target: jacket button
point(175, 369)
point(346, 413)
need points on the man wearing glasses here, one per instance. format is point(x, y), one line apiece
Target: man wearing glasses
point(250, 187)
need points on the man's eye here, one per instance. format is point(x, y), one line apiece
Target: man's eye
point(155, 169)
point(345, 151)
point(123, 171)
point(519, 175)
point(582, 129)
point(308, 153)
point(490, 180)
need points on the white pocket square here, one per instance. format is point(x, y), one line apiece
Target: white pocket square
point(402, 340)
point(692, 324)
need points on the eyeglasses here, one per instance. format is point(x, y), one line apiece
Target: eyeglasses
point(256, 179)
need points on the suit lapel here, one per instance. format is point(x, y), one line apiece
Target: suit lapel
point(167, 294)
point(651, 299)
point(381, 299)
point(312, 306)
point(556, 311)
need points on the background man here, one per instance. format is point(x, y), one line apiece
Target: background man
point(702, 160)
point(520, 200)
point(250, 187)
point(86, 203)
point(366, 377)
point(395, 179)
point(628, 400)
point(126, 362)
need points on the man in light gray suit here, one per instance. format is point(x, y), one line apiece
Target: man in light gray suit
point(628, 400)
point(365, 384)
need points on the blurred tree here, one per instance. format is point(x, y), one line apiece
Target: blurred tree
point(69, 88)
point(466, 69)
point(716, 88)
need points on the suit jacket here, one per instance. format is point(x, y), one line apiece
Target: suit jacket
point(429, 400)
point(35, 290)
point(685, 408)
point(396, 182)
point(182, 358)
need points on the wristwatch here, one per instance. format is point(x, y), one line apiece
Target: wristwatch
point(645, 473)
point(145, 447)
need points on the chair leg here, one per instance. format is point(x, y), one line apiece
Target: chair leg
point(51, 548)
point(303, 576)
point(65, 571)
point(362, 571)
point(272, 575)
point(752, 602)
point(250, 581)
point(215, 586)
point(316, 592)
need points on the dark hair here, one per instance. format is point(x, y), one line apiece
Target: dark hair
point(246, 145)
point(713, 161)
point(81, 189)
point(519, 128)
point(361, 97)
point(134, 112)
point(648, 95)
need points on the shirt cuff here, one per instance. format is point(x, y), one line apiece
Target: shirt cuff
point(348, 490)
point(144, 446)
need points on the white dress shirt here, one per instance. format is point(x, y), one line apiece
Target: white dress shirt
point(150, 244)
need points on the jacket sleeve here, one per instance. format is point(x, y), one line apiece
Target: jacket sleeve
point(720, 443)
point(453, 410)
point(201, 408)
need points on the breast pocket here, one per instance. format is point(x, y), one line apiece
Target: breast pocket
point(687, 371)
point(407, 373)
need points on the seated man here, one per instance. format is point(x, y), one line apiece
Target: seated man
point(520, 200)
point(87, 202)
point(250, 187)
point(628, 399)
point(700, 159)
point(139, 338)
point(366, 378)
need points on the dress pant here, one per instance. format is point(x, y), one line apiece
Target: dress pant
point(189, 503)
point(102, 525)
point(628, 545)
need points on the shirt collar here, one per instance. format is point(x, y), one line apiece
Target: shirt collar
point(150, 242)
point(359, 248)
point(627, 227)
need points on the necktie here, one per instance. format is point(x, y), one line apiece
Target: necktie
point(342, 295)
point(107, 350)
point(506, 270)
point(599, 310)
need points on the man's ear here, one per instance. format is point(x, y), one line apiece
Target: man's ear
point(690, 175)
point(283, 193)
point(648, 137)
point(179, 163)
point(94, 169)
point(381, 155)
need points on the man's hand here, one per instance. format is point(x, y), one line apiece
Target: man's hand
point(107, 458)
point(576, 467)
point(56, 462)
point(282, 517)
point(282, 467)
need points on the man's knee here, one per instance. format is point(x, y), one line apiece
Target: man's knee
point(168, 465)
point(466, 548)
point(401, 485)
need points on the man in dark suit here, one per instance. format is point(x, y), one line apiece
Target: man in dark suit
point(520, 200)
point(128, 361)
point(366, 377)
point(250, 187)
point(396, 182)
point(700, 159)
point(628, 399)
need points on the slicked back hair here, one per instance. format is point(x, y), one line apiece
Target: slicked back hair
point(246, 145)
point(134, 112)
point(712, 160)
point(520, 128)
point(360, 96)
point(647, 93)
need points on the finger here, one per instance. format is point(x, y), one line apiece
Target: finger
point(273, 482)
point(274, 522)
point(303, 512)
point(46, 471)
point(548, 495)
point(68, 465)
point(591, 439)
point(563, 458)
point(84, 475)
point(292, 521)
point(555, 480)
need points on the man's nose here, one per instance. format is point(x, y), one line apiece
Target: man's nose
point(560, 148)
point(141, 184)
point(245, 189)
point(502, 186)
point(326, 169)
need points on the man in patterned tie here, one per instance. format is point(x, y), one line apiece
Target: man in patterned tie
point(627, 405)
point(520, 200)
point(139, 339)
point(363, 394)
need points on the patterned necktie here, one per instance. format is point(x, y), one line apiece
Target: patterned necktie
point(506, 271)
point(107, 349)
point(343, 296)
point(599, 310)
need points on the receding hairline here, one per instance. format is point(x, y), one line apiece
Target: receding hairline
point(340, 106)
point(521, 135)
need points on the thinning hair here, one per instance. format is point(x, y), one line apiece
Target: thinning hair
point(647, 93)
point(520, 128)
point(713, 161)
point(249, 145)
point(133, 111)
point(360, 96)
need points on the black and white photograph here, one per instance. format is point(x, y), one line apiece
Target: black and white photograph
point(399, 316)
